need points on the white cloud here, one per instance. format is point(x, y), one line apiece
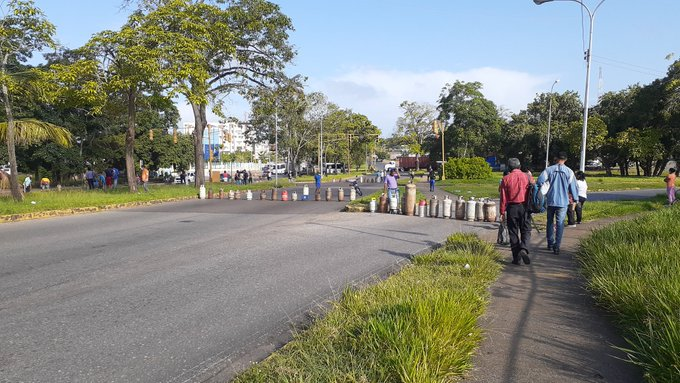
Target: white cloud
point(378, 93)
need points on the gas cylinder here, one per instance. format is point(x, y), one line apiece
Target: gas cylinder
point(237, 195)
point(201, 192)
point(479, 210)
point(422, 208)
point(447, 207)
point(460, 208)
point(210, 193)
point(284, 195)
point(249, 195)
point(372, 205)
point(434, 204)
point(410, 199)
point(352, 194)
point(293, 196)
point(231, 194)
point(490, 211)
point(341, 194)
point(383, 203)
point(275, 194)
point(329, 194)
point(317, 195)
point(305, 193)
point(394, 204)
point(470, 209)
point(220, 195)
point(263, 195)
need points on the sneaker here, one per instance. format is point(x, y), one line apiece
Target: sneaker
point(556, 250)
point(550, 247)
point(525, 256)
point(515, 262)
point(572, 225)
point(578, 223)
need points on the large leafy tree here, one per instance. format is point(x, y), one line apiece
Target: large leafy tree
point(23, 30)
point(415, 126)
point(210, 51)
point(473, 122)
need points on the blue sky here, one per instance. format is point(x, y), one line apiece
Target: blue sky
point(369, 56)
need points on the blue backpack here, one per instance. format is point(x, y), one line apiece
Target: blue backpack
point(535, 199)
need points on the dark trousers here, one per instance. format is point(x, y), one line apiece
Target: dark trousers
point(519, 228)
point(579, 209)
point(570, 215)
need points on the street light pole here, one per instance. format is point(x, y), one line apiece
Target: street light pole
point(547, 143)
point(276, 147)
point(588, 54)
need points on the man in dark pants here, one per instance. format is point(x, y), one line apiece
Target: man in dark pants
point(513, 208)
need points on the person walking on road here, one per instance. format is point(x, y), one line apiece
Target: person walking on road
point(432, 176)
point(144, 177)
point(390, 187)
point(670, 186)
point(561, 181)
point(317, 182)
point(582, 187)
point(513, 208)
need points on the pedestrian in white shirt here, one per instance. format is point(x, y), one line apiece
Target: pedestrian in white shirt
point(582, 187)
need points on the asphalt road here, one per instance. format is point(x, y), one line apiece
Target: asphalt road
point(182, 292)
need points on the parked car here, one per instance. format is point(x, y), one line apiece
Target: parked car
point(190, 178)
point(594, 165)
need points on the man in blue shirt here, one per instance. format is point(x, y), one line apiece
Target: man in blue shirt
point(562, 182)
point(317, 180)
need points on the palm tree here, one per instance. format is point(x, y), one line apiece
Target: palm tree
point(31, 132)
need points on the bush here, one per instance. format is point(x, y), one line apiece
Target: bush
point(467, 168)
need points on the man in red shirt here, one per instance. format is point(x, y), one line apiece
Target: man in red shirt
point(513, 208)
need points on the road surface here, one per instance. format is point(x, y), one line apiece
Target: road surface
point(182, 292)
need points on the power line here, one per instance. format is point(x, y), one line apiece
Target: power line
point(650, 72)
point(625, 63)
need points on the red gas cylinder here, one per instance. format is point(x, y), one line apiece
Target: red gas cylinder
point(284, 195)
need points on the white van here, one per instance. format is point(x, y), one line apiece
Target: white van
point(279, 168)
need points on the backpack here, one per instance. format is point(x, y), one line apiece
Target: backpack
point(535, 200)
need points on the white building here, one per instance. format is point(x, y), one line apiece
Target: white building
point(229, 137)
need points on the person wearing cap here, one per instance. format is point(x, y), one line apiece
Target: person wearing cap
point(513, 190)
point(391, 188)
point(561, 182)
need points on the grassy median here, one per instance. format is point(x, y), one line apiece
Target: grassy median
point(419, 325)
point(633, 269)
point(76, 198)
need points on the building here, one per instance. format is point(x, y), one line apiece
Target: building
point(228, 137)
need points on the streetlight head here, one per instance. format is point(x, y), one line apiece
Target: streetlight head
point(557, 81)
point(539, 2)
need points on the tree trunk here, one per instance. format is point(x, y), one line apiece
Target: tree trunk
point(199, 127)
point(417, 162)
point(11, 153)
point(130, 141)
point(637, 167)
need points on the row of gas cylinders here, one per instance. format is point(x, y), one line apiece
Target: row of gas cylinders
point(470, 210)
point(274, 194)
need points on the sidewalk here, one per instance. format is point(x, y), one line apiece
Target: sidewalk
point(542, 325)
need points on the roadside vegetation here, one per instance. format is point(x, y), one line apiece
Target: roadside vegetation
point(488, 187)
point(77, 198)
point(419, 325)
point(633, 269)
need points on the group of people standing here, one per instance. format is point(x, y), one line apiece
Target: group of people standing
point(564, 191)
point(103, 180)
point(241, 177)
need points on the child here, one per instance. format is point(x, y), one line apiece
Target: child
point(582, 187)
point(670, 186)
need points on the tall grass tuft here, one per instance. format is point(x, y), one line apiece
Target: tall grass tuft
point(417, 326)
point(633, 269)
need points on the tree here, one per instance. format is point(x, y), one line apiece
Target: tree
point(23, 30)
point(209, 51)
point(473, 122)
point(415, 126)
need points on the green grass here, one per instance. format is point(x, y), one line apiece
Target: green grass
point(633, 269)
point(419, 325)
point(74, 198)
point(606, 209)
point(489, 187)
